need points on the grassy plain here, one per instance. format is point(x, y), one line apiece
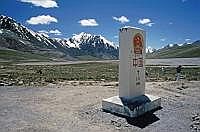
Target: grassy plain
point(11, 74)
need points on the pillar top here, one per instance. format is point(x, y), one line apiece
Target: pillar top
point(129, 27)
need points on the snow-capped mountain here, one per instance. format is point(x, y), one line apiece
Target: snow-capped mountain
point(16, 32)
point(88, 44)
point(78, 40)
point(150, 49)
point(14, 35)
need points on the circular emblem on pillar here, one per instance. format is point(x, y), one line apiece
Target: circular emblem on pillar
point(138, 43)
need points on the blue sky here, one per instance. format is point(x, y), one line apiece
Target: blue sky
point(165, 21)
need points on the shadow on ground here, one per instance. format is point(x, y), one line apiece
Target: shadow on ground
point(143, 121)
point(140, 121)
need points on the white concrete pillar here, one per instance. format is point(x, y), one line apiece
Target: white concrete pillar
point(132, 43)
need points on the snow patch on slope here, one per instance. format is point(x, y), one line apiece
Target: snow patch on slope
point(107, 42)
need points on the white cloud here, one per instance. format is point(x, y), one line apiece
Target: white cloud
point(43, 31)
point(187, 39)
point(42, 20)
point(146, 21)
point(163, 39)
point(88, 22)
point(122, 19)
point(56, 32)
point(150, 24)
point(170, 23)
point(42, 3)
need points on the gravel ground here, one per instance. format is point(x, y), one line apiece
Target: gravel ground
point(76, 106)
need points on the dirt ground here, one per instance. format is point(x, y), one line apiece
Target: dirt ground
point(76, 106)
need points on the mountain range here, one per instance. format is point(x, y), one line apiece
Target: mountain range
point(186, 50)
point(16, 37)
point(17, 42)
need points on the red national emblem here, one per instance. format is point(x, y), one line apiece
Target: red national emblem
point(138, 43)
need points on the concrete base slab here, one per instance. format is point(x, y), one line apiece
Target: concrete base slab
point(131, 107)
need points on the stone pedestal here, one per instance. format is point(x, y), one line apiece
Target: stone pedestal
point(131, 107)
point(132, 100)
